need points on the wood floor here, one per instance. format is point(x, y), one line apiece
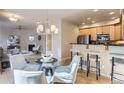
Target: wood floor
point(91, 79)
point(6, 78)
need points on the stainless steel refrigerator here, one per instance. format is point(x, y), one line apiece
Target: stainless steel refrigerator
point(84, 39)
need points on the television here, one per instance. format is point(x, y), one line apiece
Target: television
point(103, 38)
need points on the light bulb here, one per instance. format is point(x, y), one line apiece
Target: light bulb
point(56, 31)
point(13, 19)
point(39, 28)
point(53, 28)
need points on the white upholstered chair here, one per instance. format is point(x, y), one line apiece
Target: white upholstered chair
point(67, 74)
point(18, 62)
point(36, 49)
point(29, 77)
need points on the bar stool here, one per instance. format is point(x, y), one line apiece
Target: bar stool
point(77, 52)
point(74, 52)
point(117, 72)
point(93, 56)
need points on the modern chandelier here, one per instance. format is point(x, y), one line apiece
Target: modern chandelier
point(46, 27)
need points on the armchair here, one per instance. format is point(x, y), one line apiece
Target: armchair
point(36, 49)
point(29, 77)
point(18, 62)
point(67, 74)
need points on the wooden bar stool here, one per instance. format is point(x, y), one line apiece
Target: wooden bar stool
point(93, 56)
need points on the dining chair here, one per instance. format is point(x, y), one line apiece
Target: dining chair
point(29, 77)
point(67, 74)
point(18, 62)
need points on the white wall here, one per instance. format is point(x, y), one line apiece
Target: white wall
point(69, 35)
point(24, 38)
point(3, 37)
point(61, 47)
point(61, 41)
point(23, 35)
point(56, 42)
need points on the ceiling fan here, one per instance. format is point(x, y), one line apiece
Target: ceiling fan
point(19, 27)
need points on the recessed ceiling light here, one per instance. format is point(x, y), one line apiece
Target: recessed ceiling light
point(88, 18)
point(13, 19)
point(111, 13)
point(113, 17)
point(95, 10)
point(93, 21)
point(83, 23)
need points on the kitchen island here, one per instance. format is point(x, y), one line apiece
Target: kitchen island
point(106, 53)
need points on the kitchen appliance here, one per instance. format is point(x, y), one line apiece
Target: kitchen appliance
point(103, 38)
point(84, 39)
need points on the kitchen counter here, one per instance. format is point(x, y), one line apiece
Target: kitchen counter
point(99, 44)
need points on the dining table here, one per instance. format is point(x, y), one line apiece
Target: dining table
point(47, 65)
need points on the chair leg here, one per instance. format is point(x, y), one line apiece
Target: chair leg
point(87, 69)
point(71, 55)
point(97, 68)
point(96, 71)
point(112, 72)
point(88, 65)
point(81, 63)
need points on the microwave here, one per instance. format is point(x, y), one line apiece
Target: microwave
point(103, 38)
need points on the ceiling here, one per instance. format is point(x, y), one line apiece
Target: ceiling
point(30, 17)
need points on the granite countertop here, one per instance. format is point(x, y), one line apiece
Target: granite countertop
point(117, 55)
point(100, 44)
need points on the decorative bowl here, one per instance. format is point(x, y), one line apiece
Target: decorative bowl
point(47, 58)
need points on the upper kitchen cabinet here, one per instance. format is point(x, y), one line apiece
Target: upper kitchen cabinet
point(89, 31)
point(117, 32)
point(85, 31)
point(106, 30)
point(109, 30)
point(113, 30)
point(93, 33)
point(98, 30)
